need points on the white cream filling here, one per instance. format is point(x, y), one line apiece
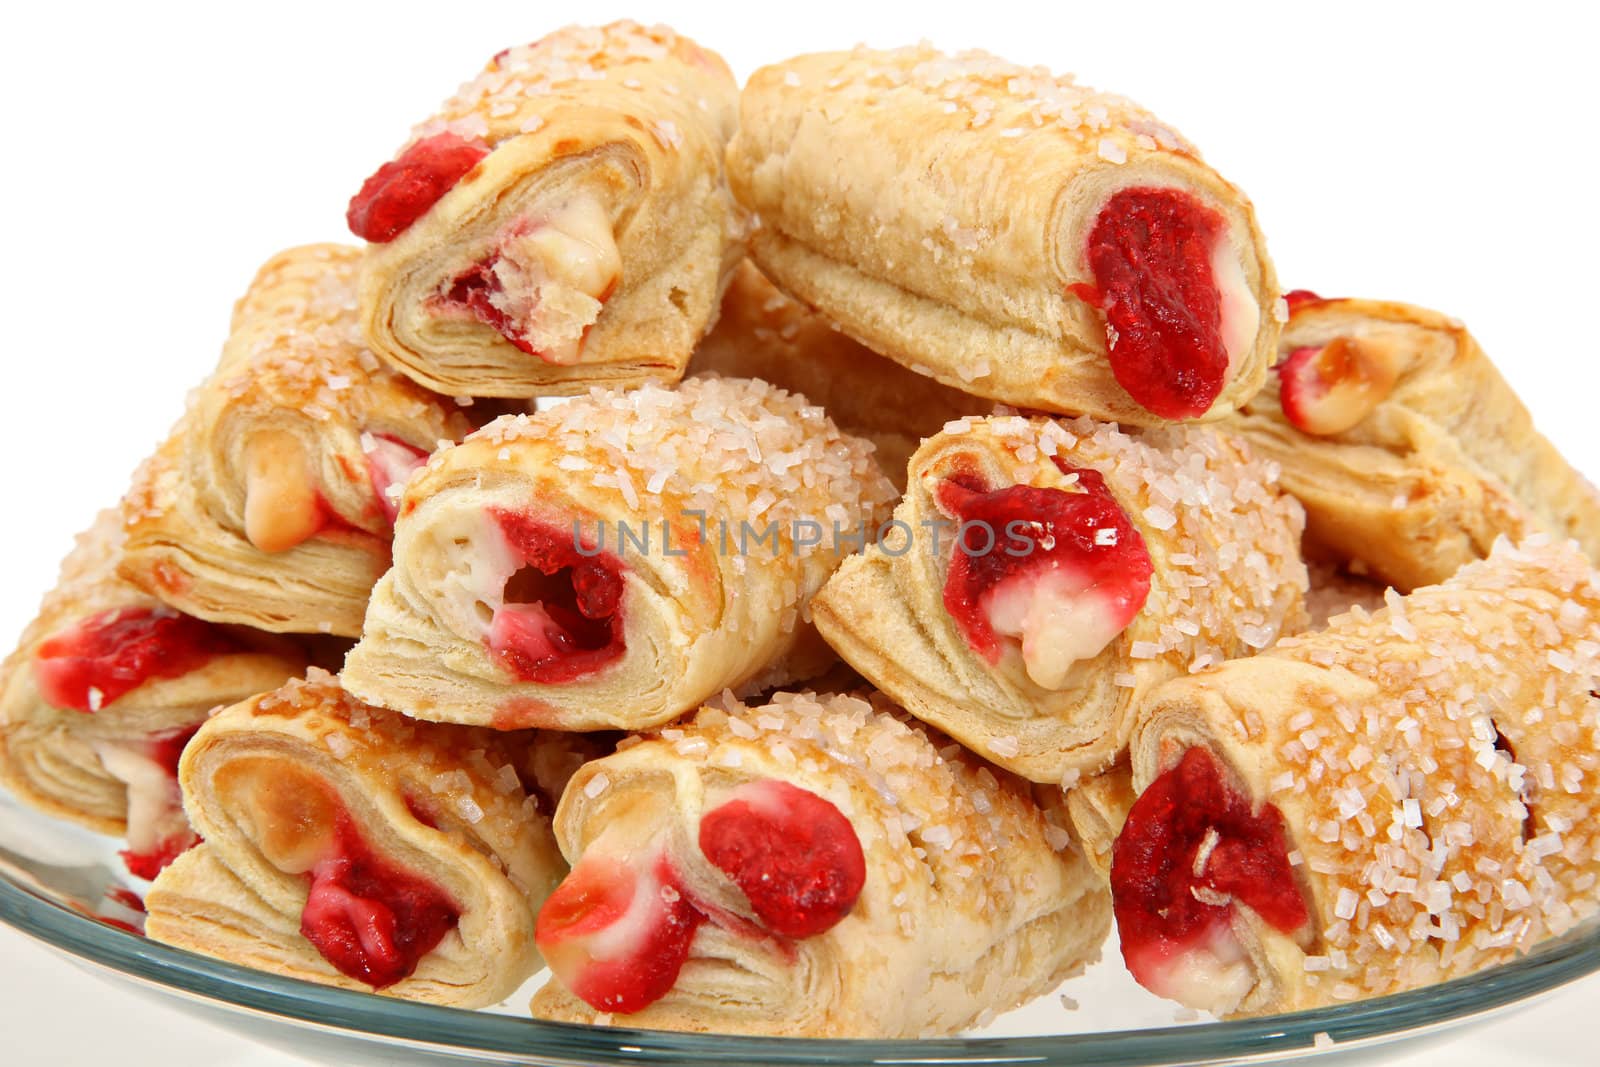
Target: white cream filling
point(554, 275)
point(471, 561)
point(638, 923)
point(1058, 621)
point(1213, 977)
point(1363, 375)
point(155, 804)
point(1241, 314)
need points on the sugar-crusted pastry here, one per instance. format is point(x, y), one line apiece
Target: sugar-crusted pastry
point(104, 689)
point(1400, 799)
point(762, 333)
point(1045, 575)
point(350, 846)
point(1409, 450)
point(563, 221)
point(272, 503)
point(818, 866)
point(1007, 231)
point(614, 561)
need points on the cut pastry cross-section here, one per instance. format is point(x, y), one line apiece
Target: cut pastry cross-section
point(615, 560)
point(1050, 573)
point(1007, 232)
point(562, 222)
point(346, 845)
point(103, 691)
point(1408, 449)
point(272, 504)
point(816, 866)
point(1399, 799)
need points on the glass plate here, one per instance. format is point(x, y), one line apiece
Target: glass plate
point(57, 884)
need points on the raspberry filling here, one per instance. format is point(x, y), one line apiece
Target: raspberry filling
point(1331, 389)
point(615, 935)
point(794, 854)
point(1178, 308)
point(562, 616)
point(401, 191)
point(372, 920)
point(99, 659)
point(617, 932)
point(390, 464)
point(1192, 850)
point(1299, 298)
point(157, 831)
point(1059, 572)
point(544, 283)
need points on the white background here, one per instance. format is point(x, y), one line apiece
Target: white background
point(155, 156)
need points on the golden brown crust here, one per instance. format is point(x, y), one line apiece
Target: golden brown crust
point(937, 208)
point(445, 804)
point(284, 427)
point(749, 480)
point(974, 902)
point(50, 757)
point(636, 118)
point(1433, 765)
point(1228, 580)
point(1446, 463)
point(762, 333)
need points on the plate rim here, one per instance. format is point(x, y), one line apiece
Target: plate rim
point(372, 1017)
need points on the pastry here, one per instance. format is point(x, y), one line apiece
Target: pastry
point(562, 222)
point(819, 867)
point(1043, 576)
point(104, 689)
point(761, 333)
point(272, 503)
point(1334, 591)
point(614, 561)
point(1408, 449)
point(1398, 800)
point(350, 846)
point(1008, 232)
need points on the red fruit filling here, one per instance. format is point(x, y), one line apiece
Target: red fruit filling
point(562, 617)
point(401, 191)
point(1191, 850)
point(476, 289)
point(99, 659)
point(1331, 389)
point(1151, 253)
point(369, 918)
point(390, 463)
point(1299, 298)
point(617, 933)
point(617, 937)
point(155, 806)
point(1066, 572)
point(794, 854)
point(151, 862)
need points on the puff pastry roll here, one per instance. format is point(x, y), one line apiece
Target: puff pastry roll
point(272, 504)
point(563, 221)
point(350, 846)
point(1409, 450)
point(1007, 231)
point(1401, 799)
point(1043, 576)
point(761, 333)
point(614, 561)
point(104, 689)
point(814, 867)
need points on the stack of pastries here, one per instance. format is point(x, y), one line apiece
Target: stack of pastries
point(909, 584)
